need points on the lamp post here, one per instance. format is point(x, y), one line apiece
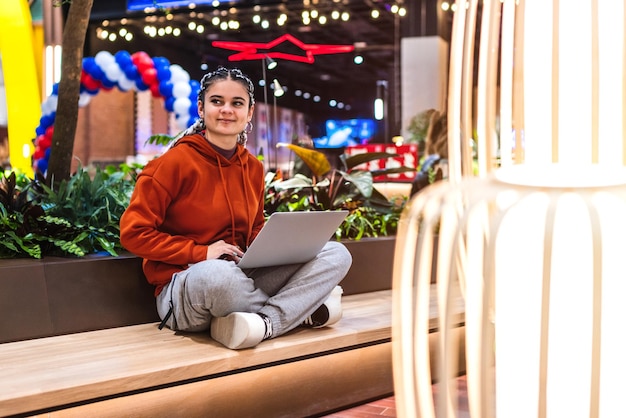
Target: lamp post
point(278, 91)
point(270, 64)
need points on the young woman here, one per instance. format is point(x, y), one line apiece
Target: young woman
point(194, 211)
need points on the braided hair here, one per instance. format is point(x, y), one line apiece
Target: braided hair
point(220, 74)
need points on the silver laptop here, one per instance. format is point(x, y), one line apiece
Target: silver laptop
point(292, 237)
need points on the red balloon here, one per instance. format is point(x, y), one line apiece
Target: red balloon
point(49, 132)
point(39, 153)
point(149, 76)
point(38, 139)
point(139, 56)
point(45, 142)
point(154, 88)
point(89, 82)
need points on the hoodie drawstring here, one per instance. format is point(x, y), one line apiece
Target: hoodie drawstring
point(230, 206)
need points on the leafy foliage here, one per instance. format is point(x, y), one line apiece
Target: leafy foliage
point(371, 213)
point(80, 217)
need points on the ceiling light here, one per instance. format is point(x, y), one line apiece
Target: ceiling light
point(271, 64)
point(278, 89)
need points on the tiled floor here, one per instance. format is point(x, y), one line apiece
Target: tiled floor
point(387, 407)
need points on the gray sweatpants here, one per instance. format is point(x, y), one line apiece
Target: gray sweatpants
point(286, 294)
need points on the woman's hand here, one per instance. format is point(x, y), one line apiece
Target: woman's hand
point(222, 249)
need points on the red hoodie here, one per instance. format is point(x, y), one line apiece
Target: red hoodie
point(188, 198)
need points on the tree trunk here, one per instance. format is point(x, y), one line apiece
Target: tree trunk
point(66, 118)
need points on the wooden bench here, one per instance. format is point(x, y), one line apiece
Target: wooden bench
point(140, 371)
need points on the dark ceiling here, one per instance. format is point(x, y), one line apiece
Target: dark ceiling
point(330, 77)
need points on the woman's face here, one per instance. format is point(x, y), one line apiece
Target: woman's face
point(226, 110)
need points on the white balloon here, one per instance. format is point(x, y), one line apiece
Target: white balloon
point(178, 74)
point(45, 108)
point(181, 121)
point(181, 89)
point(103, 59)
point(181, 106)
point(125, 83)
point(50, 105)
point(84, 99)
point(113, 71)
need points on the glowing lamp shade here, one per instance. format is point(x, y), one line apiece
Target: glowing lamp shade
point(537, 253)
point(271, 64)
point(278, 89)
point(533, 238)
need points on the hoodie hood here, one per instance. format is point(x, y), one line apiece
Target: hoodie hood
point(202, 146)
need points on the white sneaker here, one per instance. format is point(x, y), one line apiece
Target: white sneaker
point(329, 313)
point(238, 330)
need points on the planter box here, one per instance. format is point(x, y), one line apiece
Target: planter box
point(56, 296)
point(372, 265)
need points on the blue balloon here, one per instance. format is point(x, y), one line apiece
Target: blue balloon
point(88, 64)
point(106, 83)
point(55, 89)
point(193, 96)
point(141, 86)
point(46, 121)
point(166, 89)
point(131, 72)
point(42, 165)
point(47, 153)
point(169, 103)
point(195, 84)
point(40, 130)
point(123, 58)
point(163, 73)
point(193, 109)
point(160, 62)
point(96, 72)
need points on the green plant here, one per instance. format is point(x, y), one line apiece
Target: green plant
point(18, 218)
point(352, 188)
point(87, 209)
point(418, 126)
point(78, 217)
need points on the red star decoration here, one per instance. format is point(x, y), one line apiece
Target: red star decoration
point(250, 50)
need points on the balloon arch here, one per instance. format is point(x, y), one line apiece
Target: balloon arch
point(138, 72)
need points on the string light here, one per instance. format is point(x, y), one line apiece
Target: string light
point(228, 20)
